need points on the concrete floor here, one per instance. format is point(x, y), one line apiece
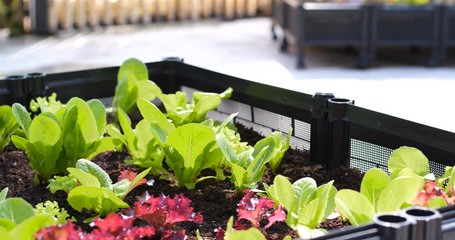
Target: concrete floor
point(396, 84)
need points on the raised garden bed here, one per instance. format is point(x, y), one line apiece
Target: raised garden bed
point(366, 28)
point(335, 134)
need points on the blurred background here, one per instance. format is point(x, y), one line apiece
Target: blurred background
point(235, 37)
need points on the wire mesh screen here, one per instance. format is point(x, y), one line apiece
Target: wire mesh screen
point(365, 155)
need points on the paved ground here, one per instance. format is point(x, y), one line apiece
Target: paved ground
point(397, 83)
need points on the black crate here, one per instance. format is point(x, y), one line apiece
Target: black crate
point(336, 132)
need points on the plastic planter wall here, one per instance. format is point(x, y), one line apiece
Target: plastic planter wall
point(336, 132)
point(367, 27)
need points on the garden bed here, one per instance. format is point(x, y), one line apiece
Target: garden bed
point(215, 200)
point(342, 138)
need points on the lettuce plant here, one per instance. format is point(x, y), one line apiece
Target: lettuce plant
point(381, 193)
point(307, 204)
point(233, 234)
point(18, 219)
point(46, 104)
point(8, 125)
point(142, 142)
point(54, 142)
point(132, 84)
point(281, 146)
point(114, 226)
point(51, 208)
point(247, 168)
point(181, 112)
point(255, 209)
point(163, 213)
point(190, 149)
point(95, 190)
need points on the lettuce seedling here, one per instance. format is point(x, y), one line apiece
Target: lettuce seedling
point(381, 193)
point(163, 213)
point(114, 226)
point(190, 149)
point(307, 204)
point(18, 219)
point(8, 125)
point(60, 215)
point(132, 84)
point(95, 190)
point(281, 146)
point(54, 142)
point(142, 142)
point(247, 168)
point(46, 104)
point(254, 210)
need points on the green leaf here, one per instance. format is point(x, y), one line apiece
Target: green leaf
point(19, 142)
point(354, 206)
point(64, 183)
point(436, 202)
point(373, 183)
point(190, 141)
point(280, 192)
point(6, 224)
point(399, 191)
point(135, 67)
point(148, 90)
point(150, 112)
point(303, 190)
point(411, 158)
point(5, 234)
point(16, 210)
point(227, 121)
point(309, 233)
point(3, 194)
point(227, 150)
point(27, 229)
point(22, 116)
point(320, 207)
point(263, 151)
point(85, 119)
point(96, 171)
point(85, 178)
point(101, 200)
point(99, 112)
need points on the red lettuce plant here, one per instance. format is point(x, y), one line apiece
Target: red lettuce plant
point(114, 226)
point(164, 212)
point(254, 210)
point(433, 195)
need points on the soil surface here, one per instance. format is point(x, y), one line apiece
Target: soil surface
point(215, 200)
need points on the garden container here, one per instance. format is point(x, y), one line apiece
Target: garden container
point(447, 31)
point(336, 132)
point(328, 25)
point(405, 26)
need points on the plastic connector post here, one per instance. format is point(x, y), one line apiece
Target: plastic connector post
point(426, 223)
point(17, 89)
point(36, 85)
point(319, 128)
point(394, 226)
point(338, 132)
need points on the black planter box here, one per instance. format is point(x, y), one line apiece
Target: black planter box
point(336, 132)
point(325, 24)
point(367, 27)
point(405, 26)
point(447, 32)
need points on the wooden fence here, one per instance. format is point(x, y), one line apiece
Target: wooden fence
point(50, 16)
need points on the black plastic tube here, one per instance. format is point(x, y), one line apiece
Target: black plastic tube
point(393, 226)
point(338, 133)
point(427, 223)
point(319, 128)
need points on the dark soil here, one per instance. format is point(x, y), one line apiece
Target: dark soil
point(216, 200)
